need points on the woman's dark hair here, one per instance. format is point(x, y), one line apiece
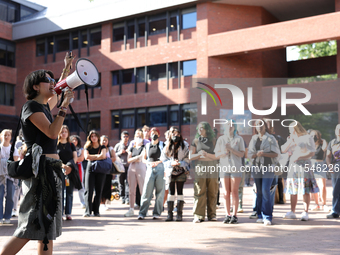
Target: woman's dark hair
point(318, 137)
point(78, 140)
point(265, 126)
point(88, 145)
point(32, 79)
point(171, 147)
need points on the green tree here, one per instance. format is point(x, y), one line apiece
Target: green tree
point(325, 122)
point(315, 50)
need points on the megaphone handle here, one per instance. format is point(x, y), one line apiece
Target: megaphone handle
point(66, 89)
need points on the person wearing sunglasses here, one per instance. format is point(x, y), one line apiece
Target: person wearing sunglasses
point(42, 192)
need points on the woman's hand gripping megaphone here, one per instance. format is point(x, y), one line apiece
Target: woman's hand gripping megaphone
point(68, 97)
point(68, 60)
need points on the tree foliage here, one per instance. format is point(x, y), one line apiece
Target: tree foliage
point(325, 122)
point(315, 50)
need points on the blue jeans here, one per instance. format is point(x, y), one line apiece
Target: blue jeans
point(154, 179)
point(264, 200)
point(272, 194)
point(68, 199)
point(336, 192)
point(9, 200)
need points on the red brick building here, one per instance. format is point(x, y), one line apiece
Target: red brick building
point(147, 52)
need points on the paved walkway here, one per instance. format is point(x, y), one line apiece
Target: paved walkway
point(114, 234)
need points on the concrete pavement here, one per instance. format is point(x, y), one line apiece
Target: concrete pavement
point(112, 233)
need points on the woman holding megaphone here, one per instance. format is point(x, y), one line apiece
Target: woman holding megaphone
point(43, 190)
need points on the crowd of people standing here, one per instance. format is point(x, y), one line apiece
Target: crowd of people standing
point(153, 165)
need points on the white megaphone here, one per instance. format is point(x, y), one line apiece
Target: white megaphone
point(86, 72)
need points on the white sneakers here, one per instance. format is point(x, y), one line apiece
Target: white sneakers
point(14, 213)
point(290, 215)
point(129, 213)
point(304, 216)
point(103, 207)
point(196, 220)
point(326, 208)
point(267, 222)
point(6, 221)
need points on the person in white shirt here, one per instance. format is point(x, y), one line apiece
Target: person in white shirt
point(7, 184)
point(300, 180)
point(230, 150)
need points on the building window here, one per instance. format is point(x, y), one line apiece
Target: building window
point(141, 74)
point(141, 27)
point(7, 53)
point(128, 119)
point(115, 119)
point(173, 21)
point(40, 50)
point(157, 72)
point(75, 40)
point(96, 36)
point(189, 67)
point(62, 42)
point(158, 116)
point(50, 45)
point(25, 12)
point(9, 11)
point(141, 117)
point(6, 94)
point(189, 113)
point(131, 29)
point(189, 17)
point(157, 24)
point(95, 120)
point(84, 41)
point(94, 117)
point(174, 115)
point(118, 32)
point(115, 78)
point(173, 70)
point(128, 76)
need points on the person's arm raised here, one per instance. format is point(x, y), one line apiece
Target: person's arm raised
point(68, 63)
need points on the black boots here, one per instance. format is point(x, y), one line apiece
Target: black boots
point(170, 209)
point(180, 205)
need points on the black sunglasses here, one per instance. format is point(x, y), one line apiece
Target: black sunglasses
point(49, 80)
